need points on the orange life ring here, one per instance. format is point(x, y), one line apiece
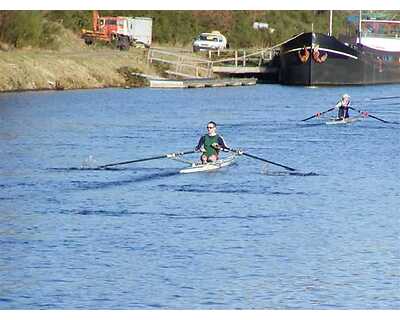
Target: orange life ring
point(317, 57)
point(303, 54)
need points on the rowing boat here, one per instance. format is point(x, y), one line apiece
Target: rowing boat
point(210, 166)
point(342, 121)
point(196, 166)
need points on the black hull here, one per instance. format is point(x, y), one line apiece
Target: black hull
point(336, 63)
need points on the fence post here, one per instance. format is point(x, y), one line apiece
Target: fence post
point(244, 58)
point(183, 63)
point(236, 57)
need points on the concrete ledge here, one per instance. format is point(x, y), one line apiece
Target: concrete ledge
point(201, 83)
point(166, 84)
point(238, 69)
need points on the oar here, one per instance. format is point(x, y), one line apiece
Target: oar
point(388, 97)
point(168, 155)
point(258, 158)
point(318, 114)
point(368, 115)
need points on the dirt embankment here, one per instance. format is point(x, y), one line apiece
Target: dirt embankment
point(73, 69)
point(73, 65)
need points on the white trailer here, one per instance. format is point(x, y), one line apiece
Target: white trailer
point(142, 30)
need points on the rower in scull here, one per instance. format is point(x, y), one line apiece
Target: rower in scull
point(210, 144)
point(343, 107)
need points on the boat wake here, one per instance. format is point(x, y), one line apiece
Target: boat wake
point(89, 163)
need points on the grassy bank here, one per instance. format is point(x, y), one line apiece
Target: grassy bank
point(73, 69)
point(70, 65)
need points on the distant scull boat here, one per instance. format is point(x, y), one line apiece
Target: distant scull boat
point(343, 121)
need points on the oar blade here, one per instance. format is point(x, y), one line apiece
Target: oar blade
point(384, 98)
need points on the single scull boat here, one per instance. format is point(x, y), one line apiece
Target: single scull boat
point(210, 166)
point(343, 121)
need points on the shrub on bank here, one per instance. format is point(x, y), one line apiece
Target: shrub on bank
point(133, 77)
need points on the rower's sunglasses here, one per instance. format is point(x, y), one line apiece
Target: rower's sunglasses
point(210, 127)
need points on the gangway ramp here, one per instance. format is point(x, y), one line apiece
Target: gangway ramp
point(233, 62)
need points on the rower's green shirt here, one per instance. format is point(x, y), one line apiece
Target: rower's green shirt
point(208, 141)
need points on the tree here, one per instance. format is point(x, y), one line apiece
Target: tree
point(21, 28)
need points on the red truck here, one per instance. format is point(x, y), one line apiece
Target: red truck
point(109, 29)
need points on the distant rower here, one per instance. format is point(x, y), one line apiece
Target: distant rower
point(343, 106)
point(210, 144)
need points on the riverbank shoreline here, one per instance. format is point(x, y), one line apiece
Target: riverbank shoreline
point(72, 89)
point(86, 68)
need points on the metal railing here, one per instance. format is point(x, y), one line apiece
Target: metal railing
point(242, 57)
point(181, 63)
point(188, 65)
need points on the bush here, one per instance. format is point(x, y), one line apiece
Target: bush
point(21, 28)
point(73, 20)
point(48, 37)
point(132, 77)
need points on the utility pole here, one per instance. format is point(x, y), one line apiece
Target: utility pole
point(359, 27)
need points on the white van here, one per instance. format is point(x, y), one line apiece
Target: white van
point(209, 41)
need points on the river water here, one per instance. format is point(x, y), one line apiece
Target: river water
point(250, 236)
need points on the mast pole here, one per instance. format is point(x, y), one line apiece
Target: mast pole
point(359, 27)
point(330, 22)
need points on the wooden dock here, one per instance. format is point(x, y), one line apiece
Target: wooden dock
point(201, 83)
